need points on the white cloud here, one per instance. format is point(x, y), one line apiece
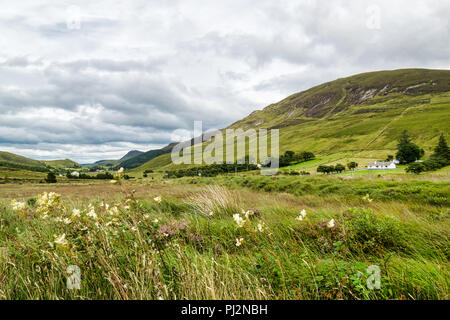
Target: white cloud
point(135, 70)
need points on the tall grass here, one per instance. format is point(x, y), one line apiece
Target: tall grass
point(188, 248)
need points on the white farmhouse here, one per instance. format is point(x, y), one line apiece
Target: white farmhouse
point(75, 174)
point(382, 165)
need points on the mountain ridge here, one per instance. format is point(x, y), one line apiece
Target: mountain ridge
point(358, 117)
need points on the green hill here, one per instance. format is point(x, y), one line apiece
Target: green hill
point(11, 160)
point(145, 157)
point(62, 164)
point(359, 117)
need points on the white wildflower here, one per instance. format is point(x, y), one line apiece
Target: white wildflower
point(239, 241)
point(61, 240)
point(330, 223)
point(157, 199)
point(240, 222)
point(75, 213)
point(302, 215)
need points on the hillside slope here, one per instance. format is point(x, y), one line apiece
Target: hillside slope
point(11, 160)
point(145, 157)
point(358, 117)
point(62, 164)
point(131, 154)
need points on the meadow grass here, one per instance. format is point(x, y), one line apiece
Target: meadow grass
point(180, 239)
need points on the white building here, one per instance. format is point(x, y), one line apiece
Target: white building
point(75, 174)
point(382, 165)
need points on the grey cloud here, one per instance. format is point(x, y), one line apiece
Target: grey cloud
point(135, 71)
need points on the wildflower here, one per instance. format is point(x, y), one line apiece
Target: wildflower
point(248, 213)
point(113, 211)
point(260, 227)
point(18, 206)
point(67, 221)
point(367, 198)
point(157, 199)
point(75, 213)
point(91, 212)
point(240, 222)
point(155, 221)
point(61, 240)
point(302, 215)
point(239, 241)
point(330, 223)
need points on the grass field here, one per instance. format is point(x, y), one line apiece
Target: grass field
point(181, 238)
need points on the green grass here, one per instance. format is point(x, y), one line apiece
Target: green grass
point(185, 246)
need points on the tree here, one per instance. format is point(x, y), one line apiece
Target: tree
point(352, 165)
point(407, 151)
point(442, 151)
point(416, 167)
point(51, 178)
point(306, 156)
point(323, 169)
point(339, 168)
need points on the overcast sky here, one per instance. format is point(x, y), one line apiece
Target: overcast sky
point(91, 80)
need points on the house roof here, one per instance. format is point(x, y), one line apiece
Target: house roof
point(381, 163)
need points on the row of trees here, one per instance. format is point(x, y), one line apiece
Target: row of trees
point(211, 170)
point(338, 168)
point(101, 176)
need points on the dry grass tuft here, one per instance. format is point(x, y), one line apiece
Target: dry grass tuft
point(215, 200)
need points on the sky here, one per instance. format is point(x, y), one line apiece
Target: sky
point(91, 80)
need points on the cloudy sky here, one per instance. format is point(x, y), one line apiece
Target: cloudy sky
point(90, 80)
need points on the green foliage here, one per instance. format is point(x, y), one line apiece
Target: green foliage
point(416, 167)
point(352, 165)
point(407, 151)
point(101, 176)
point(290, 157)
point(372, 234)
point(212, 170)
point(440, 158)
point(51, 178)
point(442, 150)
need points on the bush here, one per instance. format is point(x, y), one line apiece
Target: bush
point(51, 178)
point(370, 234)
point(416, 167)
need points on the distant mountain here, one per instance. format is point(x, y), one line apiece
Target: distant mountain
point(131, 154)
point(145, 157)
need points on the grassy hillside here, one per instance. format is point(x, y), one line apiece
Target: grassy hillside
point(62, 164)
point(11, 160)
point(358, 117)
